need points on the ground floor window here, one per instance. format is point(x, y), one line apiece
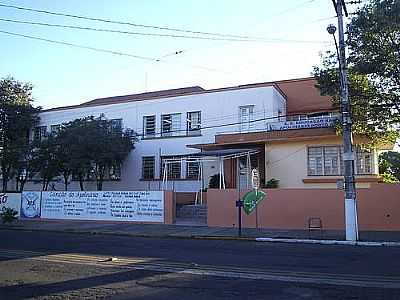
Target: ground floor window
point(192, 170)
point(148, 167)
point(328, 160)
point(364, 161)
point(174, 166)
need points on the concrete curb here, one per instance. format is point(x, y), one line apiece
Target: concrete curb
point(329, 242)
point(207, 237)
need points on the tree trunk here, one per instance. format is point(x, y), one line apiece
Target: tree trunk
point(22, 184)
point(81, 182)
point(5, 182)
point(66, 176)
point(100, 184)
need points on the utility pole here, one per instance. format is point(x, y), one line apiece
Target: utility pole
point(348, 153)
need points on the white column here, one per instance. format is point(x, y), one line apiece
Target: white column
point(351, 220)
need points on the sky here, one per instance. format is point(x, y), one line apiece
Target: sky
point(293, 35)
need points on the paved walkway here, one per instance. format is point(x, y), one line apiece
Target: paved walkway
point(186, 231)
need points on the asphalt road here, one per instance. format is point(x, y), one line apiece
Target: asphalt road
point(40, 265)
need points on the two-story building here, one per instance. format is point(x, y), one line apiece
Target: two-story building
point(286, 126)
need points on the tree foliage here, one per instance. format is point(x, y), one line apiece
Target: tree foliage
point(17, 118)
point(91, 147)
point(373, 41)
point(46, 160)
point(389, 164)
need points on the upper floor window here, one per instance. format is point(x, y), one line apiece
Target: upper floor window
point(296, 118)
point(170, 124)
point(246, 117)
point(149, 126)
point(193, 123)
point(39, 133)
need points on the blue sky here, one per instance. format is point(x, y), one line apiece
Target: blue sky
point(64, 75)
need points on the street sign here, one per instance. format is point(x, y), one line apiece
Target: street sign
point(255, 179)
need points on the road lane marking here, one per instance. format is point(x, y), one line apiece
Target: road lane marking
point(154, 264)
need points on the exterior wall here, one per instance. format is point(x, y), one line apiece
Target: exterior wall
point(216, 108)
point(378, 208)
point(169, 207)
point(287, 162)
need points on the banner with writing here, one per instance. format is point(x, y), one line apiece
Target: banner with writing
point(139, 206)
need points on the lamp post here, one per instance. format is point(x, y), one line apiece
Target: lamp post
point(348, 154)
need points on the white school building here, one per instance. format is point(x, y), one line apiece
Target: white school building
point(287, 122)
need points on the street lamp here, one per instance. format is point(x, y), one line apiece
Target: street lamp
point(332, 30)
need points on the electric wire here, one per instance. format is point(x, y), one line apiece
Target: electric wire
point(119, 53)
point(272, 40)
point(236, 36)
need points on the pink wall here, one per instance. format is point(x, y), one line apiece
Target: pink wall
point(169, 207)
point(291, 208)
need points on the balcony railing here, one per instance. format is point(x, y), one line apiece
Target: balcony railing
point(311, 122)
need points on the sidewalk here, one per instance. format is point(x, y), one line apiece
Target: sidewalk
point(185, 231)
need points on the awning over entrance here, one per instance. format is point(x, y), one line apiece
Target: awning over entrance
point(219, 156)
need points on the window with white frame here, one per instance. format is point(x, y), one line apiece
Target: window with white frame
point(296, 118)
point(174, 167)
point(55, 129)
point(39, 133)
point(149, 126)
point(332, 160)
point(324, 160)
point(246, 116)
point(364, 161)
point(171, 124)
point(114, 172)
point(148, 167)
point(192, 170)
point(328, 160)
point(116, 125)
point(193, 123)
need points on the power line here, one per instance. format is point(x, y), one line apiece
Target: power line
point(80, 46)
point(106, 51)
point(159, 34)
point(125, 23)
point(119, 53)
point(222, 37)
point(125, 32)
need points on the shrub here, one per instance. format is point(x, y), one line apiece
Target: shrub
point(272, 183)
point(214, 181)
point(8, 215)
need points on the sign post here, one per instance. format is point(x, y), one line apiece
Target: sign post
point(255, 183)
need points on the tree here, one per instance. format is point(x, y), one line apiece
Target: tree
point(389, 164)
point(373, 41)
point(109, 147)
point(17, 118)
point(46, 161)
point(95, 146)
point(73, 137)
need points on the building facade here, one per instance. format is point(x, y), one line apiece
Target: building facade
point(287, 123)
